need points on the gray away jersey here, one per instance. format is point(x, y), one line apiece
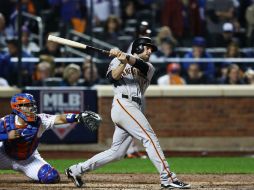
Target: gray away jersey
point(132, 82)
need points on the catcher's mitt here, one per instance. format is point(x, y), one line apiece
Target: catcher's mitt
point(89, 119)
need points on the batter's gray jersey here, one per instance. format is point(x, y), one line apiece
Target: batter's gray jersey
point(132, 83)
point(130, 122)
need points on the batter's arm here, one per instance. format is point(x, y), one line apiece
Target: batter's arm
point(115, 74)
point(131, 60)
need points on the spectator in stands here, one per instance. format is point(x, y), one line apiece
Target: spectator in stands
point(222, 70)
point(130, 22)
point(165, 50)
point(90, 74)
point(72, 14)
point(234, 76)
point(202, 23)
point(112, 30)
point(12, 27)
point(165, 32)
point(249, 15)
point(28, 45)
point(41, 6)
point(198, 51)
point(172, 16)
point(227, 36)
point(195, 75)
point(58, 68)
point(233, 51)
point(217, 13)
point(129, 11)
point(173, 76)
point(71, 75)
point(2, 31)
point(193, 18)
point(249, 76)
point(28, 6)
point(6, 8)
point(42, 71)
point(52, 49)
point(11, 70)
point(103, 9)
point(129, 14)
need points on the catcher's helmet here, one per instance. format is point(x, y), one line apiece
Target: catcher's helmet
point(139, 43)
point(23, 105)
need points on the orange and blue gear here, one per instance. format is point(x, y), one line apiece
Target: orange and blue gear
point(21, 148)
point(21, 99)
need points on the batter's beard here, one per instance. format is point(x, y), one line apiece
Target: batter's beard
point(145, 58)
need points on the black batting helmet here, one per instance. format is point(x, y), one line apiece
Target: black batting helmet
point(139, 43)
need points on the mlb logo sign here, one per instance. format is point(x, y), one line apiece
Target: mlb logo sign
point(61, 101)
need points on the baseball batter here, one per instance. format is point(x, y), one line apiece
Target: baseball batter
point(130, 75)
point(20, 133)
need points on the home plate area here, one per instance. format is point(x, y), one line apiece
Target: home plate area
point(132, 181)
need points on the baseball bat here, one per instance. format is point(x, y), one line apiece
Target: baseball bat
point(72, 43)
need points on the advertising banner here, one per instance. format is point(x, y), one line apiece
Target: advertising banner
point(66, 100)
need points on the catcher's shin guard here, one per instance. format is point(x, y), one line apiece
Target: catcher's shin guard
point(48, 174)
point(75, 179)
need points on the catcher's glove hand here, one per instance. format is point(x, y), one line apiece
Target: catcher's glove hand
point(89, 119)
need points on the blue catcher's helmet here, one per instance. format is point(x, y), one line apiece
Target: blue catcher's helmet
point(24, 106)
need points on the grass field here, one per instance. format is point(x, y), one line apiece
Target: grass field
point(182, 165)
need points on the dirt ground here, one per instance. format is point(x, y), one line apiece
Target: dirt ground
point(132, 182)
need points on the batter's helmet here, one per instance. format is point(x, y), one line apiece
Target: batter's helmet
point(23, 105)
point(139, 43)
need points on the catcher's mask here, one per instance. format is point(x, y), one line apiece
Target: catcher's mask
point(23, 105)
point(139, 43)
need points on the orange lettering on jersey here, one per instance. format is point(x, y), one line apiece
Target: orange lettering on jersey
point(126, 71)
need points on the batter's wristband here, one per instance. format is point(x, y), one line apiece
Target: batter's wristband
point(70, 118)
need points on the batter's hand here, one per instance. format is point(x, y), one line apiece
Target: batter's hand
point(114, 52)
point(121, 56)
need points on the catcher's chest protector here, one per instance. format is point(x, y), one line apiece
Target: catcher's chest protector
point(20, 149)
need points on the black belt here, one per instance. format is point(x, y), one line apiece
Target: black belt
point(133, 98)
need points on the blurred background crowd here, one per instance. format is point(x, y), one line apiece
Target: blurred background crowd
point(188, 29)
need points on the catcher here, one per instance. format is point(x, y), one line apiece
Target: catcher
point(20, 134)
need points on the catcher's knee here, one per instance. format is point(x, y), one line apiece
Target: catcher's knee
point(48, 174)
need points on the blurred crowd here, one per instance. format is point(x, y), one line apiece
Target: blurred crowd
point(197, 24)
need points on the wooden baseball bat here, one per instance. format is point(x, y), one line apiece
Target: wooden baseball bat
point(72, 43)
